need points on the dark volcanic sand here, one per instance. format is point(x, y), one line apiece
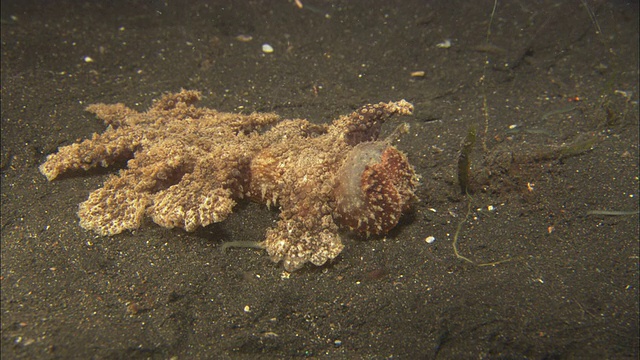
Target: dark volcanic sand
point(569, 289)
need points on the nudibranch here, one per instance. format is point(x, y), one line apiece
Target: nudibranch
point(187, 166)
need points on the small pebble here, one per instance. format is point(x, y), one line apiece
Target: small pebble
point(267, 49)
point(445, 44)
point(430, 239)
point(245, 38)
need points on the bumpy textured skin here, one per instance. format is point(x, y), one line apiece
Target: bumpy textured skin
point(374, 187)
point(187, 166)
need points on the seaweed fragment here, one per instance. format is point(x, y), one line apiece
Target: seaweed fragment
point(454, 244)
point(612, 212)
point(464, 160)
point(578, 147)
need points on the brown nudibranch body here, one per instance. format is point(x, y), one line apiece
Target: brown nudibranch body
point(188, 166)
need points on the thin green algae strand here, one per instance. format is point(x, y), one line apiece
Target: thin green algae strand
point(464, 160)
point(531, 131)
point(612, 212)
point(242, 244)
point(563, 110)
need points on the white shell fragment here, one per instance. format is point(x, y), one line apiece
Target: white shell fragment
point(267, 49)
point(445, 44)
